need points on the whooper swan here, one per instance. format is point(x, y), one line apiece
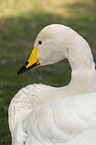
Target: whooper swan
point(45, 115)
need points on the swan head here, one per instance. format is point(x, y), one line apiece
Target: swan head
point(56, 42)
point(47, 48)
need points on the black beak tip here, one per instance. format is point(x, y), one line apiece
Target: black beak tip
point(22, 70)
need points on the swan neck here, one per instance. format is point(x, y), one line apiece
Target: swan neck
point(79, 55)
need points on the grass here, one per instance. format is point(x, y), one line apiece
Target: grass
point(20, 22)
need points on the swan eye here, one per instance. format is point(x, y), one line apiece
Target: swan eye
point(40, 42)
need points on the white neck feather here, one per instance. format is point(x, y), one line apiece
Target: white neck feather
point(80, 58)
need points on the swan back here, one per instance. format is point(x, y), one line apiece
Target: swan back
point(64, 121)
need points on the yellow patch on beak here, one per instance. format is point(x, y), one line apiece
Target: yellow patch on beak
point(33, 57)
point(32, 62)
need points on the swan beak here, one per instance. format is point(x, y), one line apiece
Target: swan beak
point(32, 62)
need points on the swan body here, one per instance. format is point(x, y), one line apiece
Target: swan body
point(64, 121)
point(45, 115)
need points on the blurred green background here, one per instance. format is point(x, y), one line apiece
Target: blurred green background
point(20, 22)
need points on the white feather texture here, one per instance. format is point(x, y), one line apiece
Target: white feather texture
point(45, 115)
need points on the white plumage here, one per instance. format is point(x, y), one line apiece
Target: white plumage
point(45, 115)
